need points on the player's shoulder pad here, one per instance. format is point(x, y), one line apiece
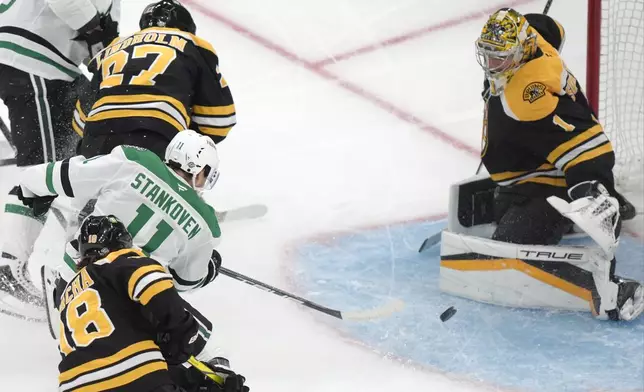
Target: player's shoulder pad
point(533, 92)
point(551, 30)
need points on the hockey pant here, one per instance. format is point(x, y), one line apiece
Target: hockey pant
point(40, 116)
point(94, 145)
point(522, 219)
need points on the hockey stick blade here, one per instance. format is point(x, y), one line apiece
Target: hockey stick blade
point(430, 242)
point(7, 162)
point(384, 311)
point(252, 211)
point(390, 307)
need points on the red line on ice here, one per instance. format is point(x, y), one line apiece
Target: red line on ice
point(416, 34)
point(343, 83)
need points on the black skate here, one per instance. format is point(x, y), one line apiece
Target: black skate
point(630, 300)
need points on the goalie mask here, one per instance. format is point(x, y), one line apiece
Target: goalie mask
point(506, 42)
point(194, 153)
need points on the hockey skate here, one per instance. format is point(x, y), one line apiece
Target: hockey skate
point(630, 300)
point(16, 298)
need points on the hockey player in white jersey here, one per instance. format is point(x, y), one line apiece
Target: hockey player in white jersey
point(159, 202)
point(42, 45)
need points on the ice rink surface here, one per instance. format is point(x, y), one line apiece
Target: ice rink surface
point(351, 114)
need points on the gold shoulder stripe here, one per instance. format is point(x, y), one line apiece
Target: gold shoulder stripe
point(138, 274)
point(155, 289)
point(214, 110)
point(588, 155)
point(530, 94)
point(572, 143)
point(518, 265)
point(104, 362)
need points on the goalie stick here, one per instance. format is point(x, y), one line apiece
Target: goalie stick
point(390, 307)
point(436, 238)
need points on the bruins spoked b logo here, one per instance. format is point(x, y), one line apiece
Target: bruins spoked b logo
point(534, 91)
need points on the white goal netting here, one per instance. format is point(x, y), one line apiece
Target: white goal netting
point(621, 90)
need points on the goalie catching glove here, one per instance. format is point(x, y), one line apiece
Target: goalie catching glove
point(594, 211)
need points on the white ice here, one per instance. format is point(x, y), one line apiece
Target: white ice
point(323, 158)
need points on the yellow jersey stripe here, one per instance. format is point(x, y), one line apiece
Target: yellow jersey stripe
point(107, 361)
point(155, 289)
point(127, 113)
point(125, 378)
point(138, 274)
point(518, 265)
point(588, 155)
point(572, 143)
point(114, 255)
point(215, 131)
point(77, 128)
point(82, 115)
point(561, 182)
point(507, 175)
point(214, 110)
point(124, 99)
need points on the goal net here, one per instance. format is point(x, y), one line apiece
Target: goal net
point(615, 85)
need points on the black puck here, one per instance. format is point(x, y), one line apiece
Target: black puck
point(448, 313)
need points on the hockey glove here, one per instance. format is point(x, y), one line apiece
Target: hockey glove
point(98, 33)
point(233, 382)
point(177, 345)
point(213, 267)
point(38, 204)
point(594, 211)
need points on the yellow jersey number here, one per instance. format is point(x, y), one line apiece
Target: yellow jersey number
point(86, 321)
point(113, 65)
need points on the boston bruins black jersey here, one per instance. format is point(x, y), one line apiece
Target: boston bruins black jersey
point(107, 339)
point(158, 79)
point(541, 130)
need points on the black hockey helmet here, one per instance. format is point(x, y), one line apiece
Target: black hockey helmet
point(100, 235)
point(167, 13)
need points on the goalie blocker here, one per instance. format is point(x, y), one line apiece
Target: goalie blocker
point(526, 276)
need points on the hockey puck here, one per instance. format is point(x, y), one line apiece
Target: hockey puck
point(448, 313)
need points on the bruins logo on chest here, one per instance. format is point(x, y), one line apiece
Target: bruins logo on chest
point(534, 91)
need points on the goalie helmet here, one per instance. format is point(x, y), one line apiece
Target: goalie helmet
point(506, 42)
point(101, 235)
point(167, 13)
point(192, 153)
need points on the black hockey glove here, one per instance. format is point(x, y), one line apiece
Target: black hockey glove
point(233, 382)
point(213, 267)
point(98, 33)
point(177, 345)
point(38, 204)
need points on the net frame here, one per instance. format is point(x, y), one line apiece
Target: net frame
point(615, 83)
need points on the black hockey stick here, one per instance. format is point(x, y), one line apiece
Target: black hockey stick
point(547, 7)
point(384, 311)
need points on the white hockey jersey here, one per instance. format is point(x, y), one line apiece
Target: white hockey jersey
point(168, 220)
point(36, 36)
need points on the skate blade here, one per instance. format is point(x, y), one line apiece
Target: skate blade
point(11, 306)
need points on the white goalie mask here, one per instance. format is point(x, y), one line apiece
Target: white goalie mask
point(192, 153)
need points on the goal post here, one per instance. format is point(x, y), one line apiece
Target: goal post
point(615, 85)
